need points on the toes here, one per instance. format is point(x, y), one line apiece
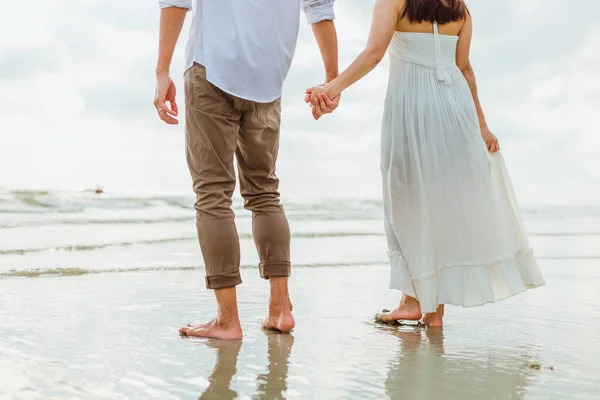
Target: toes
point(183, 331)
point(193, 332)
point(384, 317)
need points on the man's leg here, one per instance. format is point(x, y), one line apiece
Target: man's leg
point(211, 140)
point(258, 145)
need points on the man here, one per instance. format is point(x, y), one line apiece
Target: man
point(237, 58)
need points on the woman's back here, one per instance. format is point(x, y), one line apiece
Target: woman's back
point(431, 50)
point(427, 34)
point(419, 15)
point(450, 29)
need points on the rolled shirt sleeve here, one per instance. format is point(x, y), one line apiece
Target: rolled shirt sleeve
point(187, 4)
point(318, 10)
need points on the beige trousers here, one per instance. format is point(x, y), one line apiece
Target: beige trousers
point(219, 126)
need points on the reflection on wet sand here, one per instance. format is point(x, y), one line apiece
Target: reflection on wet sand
point(422, 370)
point(225, 369)
point(271, 385)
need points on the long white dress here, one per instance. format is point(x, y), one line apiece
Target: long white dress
point(454, 230)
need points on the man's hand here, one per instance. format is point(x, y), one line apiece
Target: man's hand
point(171, 21)
point(165, 93)
point(320, 102)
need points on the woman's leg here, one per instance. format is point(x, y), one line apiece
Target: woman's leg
point(434, 319)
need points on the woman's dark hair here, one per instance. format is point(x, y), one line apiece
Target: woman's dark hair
point(442, 11)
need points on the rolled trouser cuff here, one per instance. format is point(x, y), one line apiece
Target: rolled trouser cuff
point(275, 269)
point(223, 281)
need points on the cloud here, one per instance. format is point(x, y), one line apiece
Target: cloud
point(26, 61)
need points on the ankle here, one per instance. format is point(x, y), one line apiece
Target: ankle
point(226, 319)
point(279, 299)
point(278, 285)
point(408, 301)
point(279, 306)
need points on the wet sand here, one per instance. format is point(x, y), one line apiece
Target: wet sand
point(114, 336)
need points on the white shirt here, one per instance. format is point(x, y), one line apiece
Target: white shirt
point(247, 46)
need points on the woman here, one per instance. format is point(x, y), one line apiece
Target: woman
point(453, 227)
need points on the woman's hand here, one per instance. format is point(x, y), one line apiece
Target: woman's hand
point(490, 139)
point(320, 101)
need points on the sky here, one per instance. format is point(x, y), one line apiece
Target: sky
point(77, 85)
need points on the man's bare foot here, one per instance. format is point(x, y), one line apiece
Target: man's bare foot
point(409, 310)
point(434, 320)
point(280, 316)
point(230, 330)
point(279, 320)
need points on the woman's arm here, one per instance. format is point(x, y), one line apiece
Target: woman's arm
point(463, 62)
point(385, 18)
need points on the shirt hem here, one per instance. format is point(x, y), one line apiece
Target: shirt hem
point(231, 92)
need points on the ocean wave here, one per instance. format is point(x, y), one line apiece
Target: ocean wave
point(20, 208)
point(66, 272)
point(298, 235)
point(94, 221)
point(90, 247)
point(53, 221)
point(22, 201)
point(62, 272)
point(42, 202)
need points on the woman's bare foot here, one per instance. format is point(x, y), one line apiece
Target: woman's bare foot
point(409, 309)
point(434, 320)
point(229, 330)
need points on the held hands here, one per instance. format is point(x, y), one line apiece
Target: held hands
point(165, 93)
point(490, 139)
point(320, 102)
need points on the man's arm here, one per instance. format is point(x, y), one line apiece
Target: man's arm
point(326, 36)
point(320, 14)
point(172, 16)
